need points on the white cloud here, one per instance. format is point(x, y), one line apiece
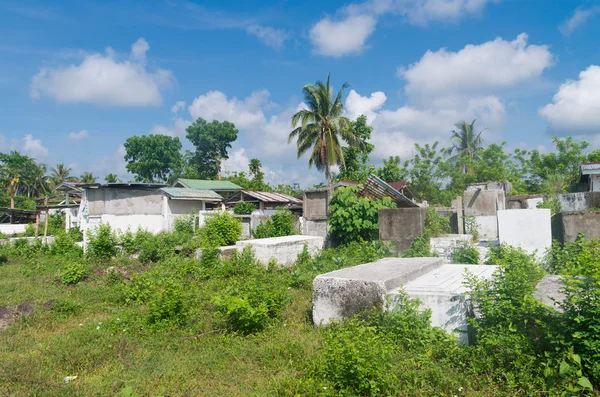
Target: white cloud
point(176, 129)
point(274, 38)
point(214, 105)
point(347, 33)
point(579, 17)
point(77, 136)
point(179, 105)
point(476, 68)
point(237, 162)
point(357, 105)
point(33, 147)
point(576, 105)
point(345, 37)
point(104, 80)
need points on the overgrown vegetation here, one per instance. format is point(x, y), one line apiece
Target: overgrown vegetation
point(244, 208)
point(553, 204)
point(281, 223)
point(465, 254)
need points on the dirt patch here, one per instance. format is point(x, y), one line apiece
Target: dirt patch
point(9, 313)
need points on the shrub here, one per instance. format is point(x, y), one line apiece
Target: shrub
point(241, 315)
point(553, 204)
point(354, 218)
point(73, 272)
point(29, 230)
point(471, 227)
point(420, 248)
point(466, 254)
point(102, 243)
point(281, 223)
point(63, 245)
point(56, 223)
point(75, 234)
point(436, 224)
point(166, 307)
point(244, 208)
point(185, 225)
point(220, 229)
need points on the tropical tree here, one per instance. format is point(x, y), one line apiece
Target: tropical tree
point(154, 157)
point(14, 169)
point(60, 173)
point(37, 181)
point(87, 177)
point(466, 143)
point(111, 178)
point(356, 165)
point(320, 126)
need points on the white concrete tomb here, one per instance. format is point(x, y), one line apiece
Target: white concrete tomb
point(529, 229)
point(284, 250)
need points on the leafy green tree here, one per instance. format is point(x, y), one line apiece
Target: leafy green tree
point(212, 140)
point(354, 218)
point(87, 177)
point(356, 165)
point(392, 169)
point(111, 178)
point(426, 173)
point(320, 127)
point(60, 173)
point(153, 158)
point(466, 143)
point(14, 171)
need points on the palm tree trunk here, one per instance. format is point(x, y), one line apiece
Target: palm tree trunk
point(12, 202)
point(327, 173)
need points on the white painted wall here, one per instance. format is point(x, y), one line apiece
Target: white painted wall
point(9, 229)
point(120, 223)
point(529, 229)
point(284, 250)
point(595, 183)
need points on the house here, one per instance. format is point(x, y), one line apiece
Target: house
point(149, 206)
point(263, 200)
point(589, 177)
point(224, 188)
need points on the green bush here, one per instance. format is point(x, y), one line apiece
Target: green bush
point(436, 224)
point(63, 245)
point(244, 208)
point(73, 272)
point(241, 315)
point(220, 229)
point(102, 242)
point(553, 204)
point(466, 254)
point(185, 225)
point(166, 306)
point(56, 223)
point(420, 248)
point(29, 230)
point(281, 223)
point(75, 234)
point(354, 218)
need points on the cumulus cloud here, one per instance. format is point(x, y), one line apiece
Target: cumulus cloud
point(102, 79)
point(344, 37)
point(357, 105)
point(179, 105)
point(77, 136)
point(347, 33)
point(214, 105)
point(476, 68)
point(33, 147)
point(237, 162)
point(579, 17)
point(176, 129)
point(274, 38)
point(576, 105)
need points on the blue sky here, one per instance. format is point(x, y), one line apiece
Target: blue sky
point(79, 77)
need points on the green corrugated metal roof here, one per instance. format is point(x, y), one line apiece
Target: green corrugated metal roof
point(191, 194)
point(208, 185)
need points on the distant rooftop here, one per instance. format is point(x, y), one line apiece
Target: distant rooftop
point(185, 193)
point(133, 185)
point(268, 197)
point(207, 185)
point(590, 166)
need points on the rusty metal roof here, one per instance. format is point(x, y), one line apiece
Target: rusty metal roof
point(184, 193)
point(375, 188)
point(590, 166)
point(272, 197)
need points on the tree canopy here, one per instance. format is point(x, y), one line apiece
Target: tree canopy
point(153, 158)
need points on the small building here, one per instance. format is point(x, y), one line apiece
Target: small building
point(589, 177)
point(263, 200)
point(149, 206)
point(224, 188)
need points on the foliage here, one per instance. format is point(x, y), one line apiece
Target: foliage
point(211, 141)
point(102, 242)
point(220, 229)
point(435, 224)
point(420, 248)
point(319, 127)
point(553, 204)
point(87, 177)
point(355, 166)
point(244, 208)
point(73, 272)
point(466, 142)
point(254, 180)
point(166, 306)
point(466, 254)
point(354, 218)
point(472, 227)
point(21, 175)
point(426, 173)
point(111, 178)
point(392, 170)
point(64, 245)
point(56, 224)
point(281, 223)
point(153, 158)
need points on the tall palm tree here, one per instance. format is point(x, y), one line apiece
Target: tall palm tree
point(87, 177)
point(321, 125)
point(111, 178)
point(466, 143)
point(60, 173)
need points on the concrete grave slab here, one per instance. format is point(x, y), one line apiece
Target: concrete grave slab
point(442, 290)
point(346, 292)
point(284, 250)
point(401, 226)
point(444, 245)
point(548, 291)
point(487, 227)
point(529, 229)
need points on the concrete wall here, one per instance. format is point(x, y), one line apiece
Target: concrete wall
point(123, 201)
point(284, 250)
point(529, 229)
point(30, 240)
point(504, 186)
point(316, 205)
point(8, 229)
point(566, 226)
point(120, 223)
point(401, 226)
point(571, 202)
point(483, 202)
point(444, 245)
point(315, 228)
point(183, 207)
